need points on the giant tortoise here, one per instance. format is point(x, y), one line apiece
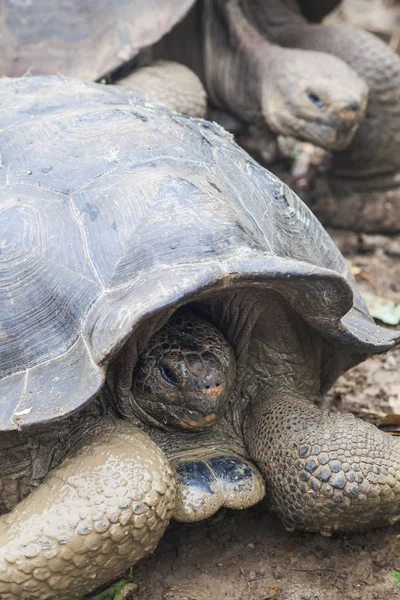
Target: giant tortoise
point(170, 314)
point(270, 61)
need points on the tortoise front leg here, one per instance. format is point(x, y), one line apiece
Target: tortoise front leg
point(324, 472)
point(103, 509)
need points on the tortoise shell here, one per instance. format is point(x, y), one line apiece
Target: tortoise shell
point(114, 212)
point(81, 38)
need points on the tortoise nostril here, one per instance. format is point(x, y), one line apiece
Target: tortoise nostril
point(215, 389)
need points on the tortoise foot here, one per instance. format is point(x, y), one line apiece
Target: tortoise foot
point(206, 485)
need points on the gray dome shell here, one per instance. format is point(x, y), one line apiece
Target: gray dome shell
point(81, 38)
point(112, 209)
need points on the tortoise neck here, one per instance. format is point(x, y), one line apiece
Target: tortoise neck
point(254, 61)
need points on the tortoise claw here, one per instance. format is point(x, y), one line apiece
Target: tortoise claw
point(206, 485)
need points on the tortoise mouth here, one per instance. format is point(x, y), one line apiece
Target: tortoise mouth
point(180, 413)
point(194, 421)
point(183, 417)
point(331, 136)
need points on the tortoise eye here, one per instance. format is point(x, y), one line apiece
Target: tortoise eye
point(315, 99)
point(169, 375)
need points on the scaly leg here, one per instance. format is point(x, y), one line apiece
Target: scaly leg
point(105, 507)
point(324, 472)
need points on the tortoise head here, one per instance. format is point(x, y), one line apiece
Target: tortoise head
point(185, 374)
point(316, 97)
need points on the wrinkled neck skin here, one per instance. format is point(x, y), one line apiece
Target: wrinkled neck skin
point(234, 51)
point(373, 157)
point(27, 456)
